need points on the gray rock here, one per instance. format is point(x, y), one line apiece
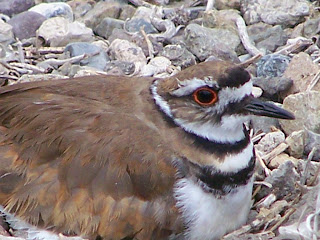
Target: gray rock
point(127, 11)
point(6, 33)
point(312, 139)
point(107, 25)
point(296, 144)
point(135, 24)
point(302, 71)
point(283, 182)
point(306, 108)
point(120, 68)
point(56, 9)
point(59, 31)
point(98, 61)
point(124, 50)
point(274, 12)
point(156, 66)
point(138, 39)
point(178, 55)
point(204, 42)
point(264, 124)
point(270, 141)
point(40, 77)
point(11, 7)
point(267, 37)
point(295, 228)
point(272, 65)
point(227, 4)
point(25, 24)
point(100, 11)
point(273, 86)
point(311, 27)
point(80, 7)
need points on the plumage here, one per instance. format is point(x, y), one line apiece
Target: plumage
point(118, 157)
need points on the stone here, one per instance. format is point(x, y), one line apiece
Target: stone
point(6, 33)
point(204, 42)
point(281, 159)
point(145, 13)
point(59, 31)
point(270, 141)
point(296, 226)
point(264, 124)
point(306, 108)
point(312, 140)
point(12, 7)
point(55, 9)
point(273, 87)
point(80, 7)
point(283, 180)
point(302, 70)
point(156, 66)
point(100, 11)
point(25, 24)
point(120, 68)
point(73, 70)
point(7, 54)
point(311, 27)
point(178, 55)
point(124, 50)
point(227, 4)
point(107, 25)
point(267, 37)
point(224, 19)
point(296, 144)
point(137, 39)
point(39, 77)
point(135, 24)
point(272, 65)
point(275, 12)
point(98, 61)
point(127, 11)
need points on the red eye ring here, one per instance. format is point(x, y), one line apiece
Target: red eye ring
point(205, 96)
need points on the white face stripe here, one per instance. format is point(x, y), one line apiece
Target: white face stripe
point(188, 86)
point(159, 100)
point(229, 95)
point(236, 162)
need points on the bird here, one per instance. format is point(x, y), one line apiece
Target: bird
point(115, 157)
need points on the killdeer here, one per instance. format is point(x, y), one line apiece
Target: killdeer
point(138, 158)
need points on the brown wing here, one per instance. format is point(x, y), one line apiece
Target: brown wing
point(83, 156)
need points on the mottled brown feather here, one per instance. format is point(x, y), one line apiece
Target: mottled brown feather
point(84, 156)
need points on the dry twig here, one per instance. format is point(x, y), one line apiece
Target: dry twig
point(149, 43)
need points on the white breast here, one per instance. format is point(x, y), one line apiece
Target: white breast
point(209, 217)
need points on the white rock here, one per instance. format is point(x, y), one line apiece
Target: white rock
point(59, 31)
point(156, 65)
point(55, 9)
point(124, 50)
point(270, 141)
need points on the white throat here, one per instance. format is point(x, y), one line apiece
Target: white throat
point(229, 131)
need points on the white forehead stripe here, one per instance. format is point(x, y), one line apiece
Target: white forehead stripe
point(188, 86)
point(229, 95)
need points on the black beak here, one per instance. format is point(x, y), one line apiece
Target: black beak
point(260, 108)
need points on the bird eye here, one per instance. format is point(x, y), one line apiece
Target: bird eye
point(205, 96)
